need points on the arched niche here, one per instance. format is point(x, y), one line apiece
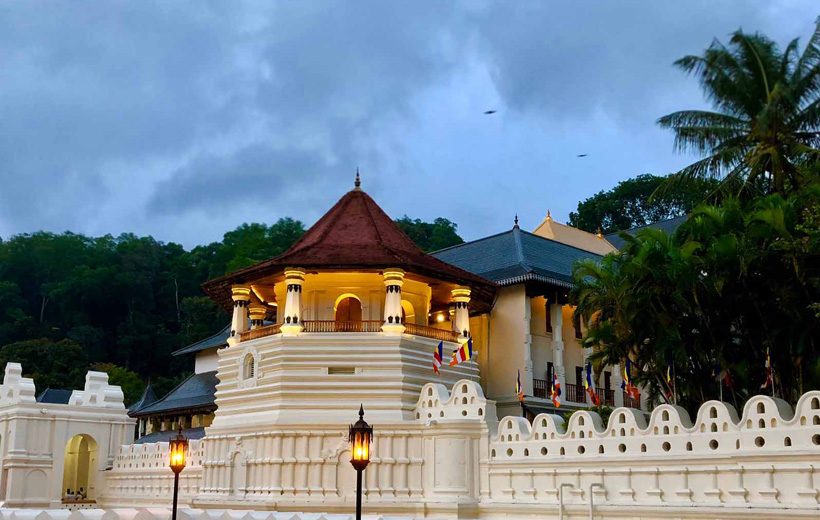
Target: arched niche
point(80, 465)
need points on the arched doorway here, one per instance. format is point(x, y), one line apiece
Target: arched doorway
point(348, 314)
point(408, 313)
point(80, 465)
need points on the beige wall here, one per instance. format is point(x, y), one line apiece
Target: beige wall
point(206, 361)
point(507, 350)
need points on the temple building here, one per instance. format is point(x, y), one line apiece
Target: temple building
point(355, 271)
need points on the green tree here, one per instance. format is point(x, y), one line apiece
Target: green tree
point(732, 282)
point(766, 123)
point(631, 203)
point(60, 365)
point(130, 382)
point(430, 236)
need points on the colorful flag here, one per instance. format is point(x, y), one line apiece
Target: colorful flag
point(722, 374)
point(589, 384)
point(463, 353)
point(768, 382)
point(518, 389)
point(669, 384)
point(438, 357)
point(555, 389)
point(627, 385)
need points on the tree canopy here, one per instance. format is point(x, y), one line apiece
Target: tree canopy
point(634, 202)
point(766, 122)
point(124, 304)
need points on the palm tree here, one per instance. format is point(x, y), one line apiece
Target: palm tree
point(765, 131)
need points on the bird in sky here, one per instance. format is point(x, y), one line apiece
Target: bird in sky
point(488, 112)
point(582, 155)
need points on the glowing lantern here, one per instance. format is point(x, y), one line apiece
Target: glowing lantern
point(360, 435)
point(179, 447)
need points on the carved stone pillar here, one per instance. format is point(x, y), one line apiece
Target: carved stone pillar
point(294, 278)
point(557, 320)
point(461, 316)
point(241, 295)
point(257, 313)
point(393, 282)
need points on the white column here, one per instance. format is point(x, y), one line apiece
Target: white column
point(461, 317)
point(617, 379)
point(294, 278)
point(393, 282)
point(257, 313)
point(241, 295)
point(557, 320)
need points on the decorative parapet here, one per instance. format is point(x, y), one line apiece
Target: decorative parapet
point(16, 389)
point(97, 392)
point(771, 454)
point(466, 402)
point(140, 474)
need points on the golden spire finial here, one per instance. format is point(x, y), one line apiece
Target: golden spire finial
point(549, 217)
point(600, 232)
point(358, 183)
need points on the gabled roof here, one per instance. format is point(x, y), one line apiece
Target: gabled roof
point(357, 234)
point(148, 398)
point(220, 339)
point(196, 392)
point(517, 256)
point(668, 225)
point(52, 396)
point(575, 237)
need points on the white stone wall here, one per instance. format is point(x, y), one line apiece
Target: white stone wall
point(140, 475)
point(34, 436)
point(455, 459)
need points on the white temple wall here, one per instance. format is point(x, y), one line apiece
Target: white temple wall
point(453, 459)
point(35, 436)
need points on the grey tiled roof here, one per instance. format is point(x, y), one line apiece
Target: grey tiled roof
point(148, 398)
point(52, 396)
point(668, 225)
point(516, 256)
point(198, 391)
point(220, 339)
point(189, 433)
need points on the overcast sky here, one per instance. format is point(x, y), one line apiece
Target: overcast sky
point(184, 119)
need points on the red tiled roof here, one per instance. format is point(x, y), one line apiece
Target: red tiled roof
point(356, 233)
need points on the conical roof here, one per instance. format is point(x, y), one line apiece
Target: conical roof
point(148, 398)
point(356, 234)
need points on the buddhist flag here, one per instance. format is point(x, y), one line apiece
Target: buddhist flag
point(519, 392)
point(669, 384)
point(438, 357)
point(589, 384)
point(463, 353)
point(627, 385)
point(555, 390)
point(722, 374)
point(768, 382)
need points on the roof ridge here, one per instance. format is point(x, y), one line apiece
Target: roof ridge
point(562, 243)
point(519, 249)
point(471, 242)
point(195, 343)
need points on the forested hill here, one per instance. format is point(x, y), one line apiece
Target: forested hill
point(123, 304)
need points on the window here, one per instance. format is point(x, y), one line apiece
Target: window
point(576, 324)
point(579, 376)
point(550, 372)
point(249, 367)
point(549, 316)
point(607, 381)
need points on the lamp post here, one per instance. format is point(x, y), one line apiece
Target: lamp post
point(179, 447)
point(360, 435)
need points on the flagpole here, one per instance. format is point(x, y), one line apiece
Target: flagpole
point(674, 385)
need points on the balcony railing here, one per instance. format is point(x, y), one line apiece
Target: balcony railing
point(352, 326)
point(540, 388)
point(607, 397)
point(576, 393)
point(431, 332)
point(261, 332)
point(342, 326)
point(630, 402)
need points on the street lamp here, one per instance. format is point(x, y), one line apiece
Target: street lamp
point(360, 437)
point(179, 447)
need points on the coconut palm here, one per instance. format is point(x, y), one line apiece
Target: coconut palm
point(764, 132)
